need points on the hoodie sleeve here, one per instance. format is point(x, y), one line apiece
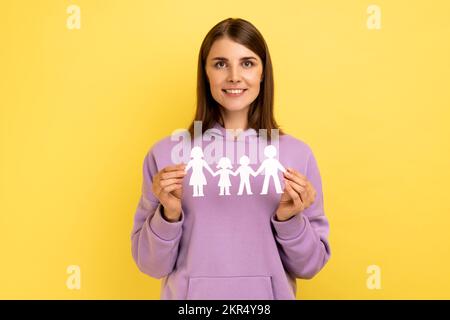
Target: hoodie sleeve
point(154, 240)
point(303, 239)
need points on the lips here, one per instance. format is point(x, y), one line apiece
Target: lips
point(234, 92)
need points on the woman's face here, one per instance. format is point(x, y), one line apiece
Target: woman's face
point(230, 65)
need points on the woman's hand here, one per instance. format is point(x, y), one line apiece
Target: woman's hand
point(298, 195)
point(168, 188)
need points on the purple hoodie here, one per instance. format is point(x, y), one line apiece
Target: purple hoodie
point(230, 246)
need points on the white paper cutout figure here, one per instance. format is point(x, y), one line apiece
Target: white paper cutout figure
point(224, 172)
point(270, 167)
point(244, 172)
point(198, 179)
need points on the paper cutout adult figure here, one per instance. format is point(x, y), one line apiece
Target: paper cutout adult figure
point(270, 167)
point(198, 179)
point(244, 172)
point(224, 171)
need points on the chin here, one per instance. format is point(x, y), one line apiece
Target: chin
point(235, 108)
point(235, 105)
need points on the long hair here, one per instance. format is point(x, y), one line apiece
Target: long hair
point(260, 114)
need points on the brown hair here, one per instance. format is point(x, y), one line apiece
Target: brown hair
point(260, 114)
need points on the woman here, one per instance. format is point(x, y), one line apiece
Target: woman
point(232, 247)
point(198, 179)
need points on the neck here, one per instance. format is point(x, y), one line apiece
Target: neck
point(235, 119)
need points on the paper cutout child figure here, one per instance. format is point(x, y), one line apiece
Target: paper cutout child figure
point(244, 172)
point(198, 179)
point(224, 171)
point(270, 167)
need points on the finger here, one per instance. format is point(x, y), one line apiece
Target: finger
point(294, 177)
point(309, 186)
point(177, 167)
point(173, 174)
point(298, 204)
point(171, 188)
point(167, 182)
point(285, 197)
point(295, 180)
point(294, 195)
point(308, 197)
point(309, 189)
point(300, 190)
point(312, 193)
point(156, 189)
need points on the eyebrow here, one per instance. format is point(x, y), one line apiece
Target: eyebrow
point(225, 59)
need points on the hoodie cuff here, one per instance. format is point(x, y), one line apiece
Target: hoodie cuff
point(164, 229)
point(290, 229)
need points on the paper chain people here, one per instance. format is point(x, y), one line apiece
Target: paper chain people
point(270, 166)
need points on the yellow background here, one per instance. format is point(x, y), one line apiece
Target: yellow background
point(80, 109)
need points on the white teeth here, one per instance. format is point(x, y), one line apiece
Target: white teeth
point(234, 91)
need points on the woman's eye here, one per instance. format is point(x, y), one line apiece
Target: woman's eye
point(246, 63)
point(218, 63)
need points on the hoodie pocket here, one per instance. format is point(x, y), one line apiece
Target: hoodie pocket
point(230, 288)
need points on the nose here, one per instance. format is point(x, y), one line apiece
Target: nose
point(233, 74)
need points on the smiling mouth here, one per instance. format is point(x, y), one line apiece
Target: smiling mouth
point(234, 92)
